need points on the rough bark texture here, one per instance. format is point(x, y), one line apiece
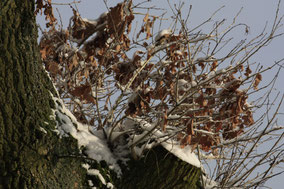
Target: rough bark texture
point(29, 158)
point(160, 169)
point(31, 154)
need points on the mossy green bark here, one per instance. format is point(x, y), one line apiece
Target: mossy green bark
point(29, 158)
point(159, 169)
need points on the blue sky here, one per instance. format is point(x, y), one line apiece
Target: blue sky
point(255, 13)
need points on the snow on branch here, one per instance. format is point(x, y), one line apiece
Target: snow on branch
point(95, 146)
point(186, 154)
point(185, 89)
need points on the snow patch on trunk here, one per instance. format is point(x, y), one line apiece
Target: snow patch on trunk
point(96, 147)
point(209, 183)
point(97, 173)
point(186, 154)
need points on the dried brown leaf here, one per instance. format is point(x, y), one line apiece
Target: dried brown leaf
point(248, 71)
point(257, 80)
point(145, 19)
point(53, 68)
point(214, 65)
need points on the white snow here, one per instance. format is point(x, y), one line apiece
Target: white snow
point(110, 40)
point(182, 82)
point(205, 59)
point(185, 85)
point(174, 116)
point(193, 84)
point(182, 85)
point(163, 33)
point(90, 182)
point(140, 150)
point(248, 104)
point(96, 146)
point(109, 185)
point(103, 15)
point(97, 173)
point(201, 38)
point(171, 145)
point(148, 89)
point(178, 52)
point(94, 172)
point(184, 154)
point(208, 183)
point(78, 101)
point(163, 63)
point(93, 22)
point(42, 130)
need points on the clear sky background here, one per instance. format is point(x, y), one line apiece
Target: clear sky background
point(256, 14)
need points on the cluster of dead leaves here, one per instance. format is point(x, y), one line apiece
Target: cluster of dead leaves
point(147, 26)
point(210, 108)
point(78, 62)
point(219, 108)
point(48, 11)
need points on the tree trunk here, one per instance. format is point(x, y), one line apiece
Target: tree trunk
point(29, 158)
point(160, 169)
point(31, 154)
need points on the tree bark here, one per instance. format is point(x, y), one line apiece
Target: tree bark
point(32, 155)
point(159, 169)
point(29, 158)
